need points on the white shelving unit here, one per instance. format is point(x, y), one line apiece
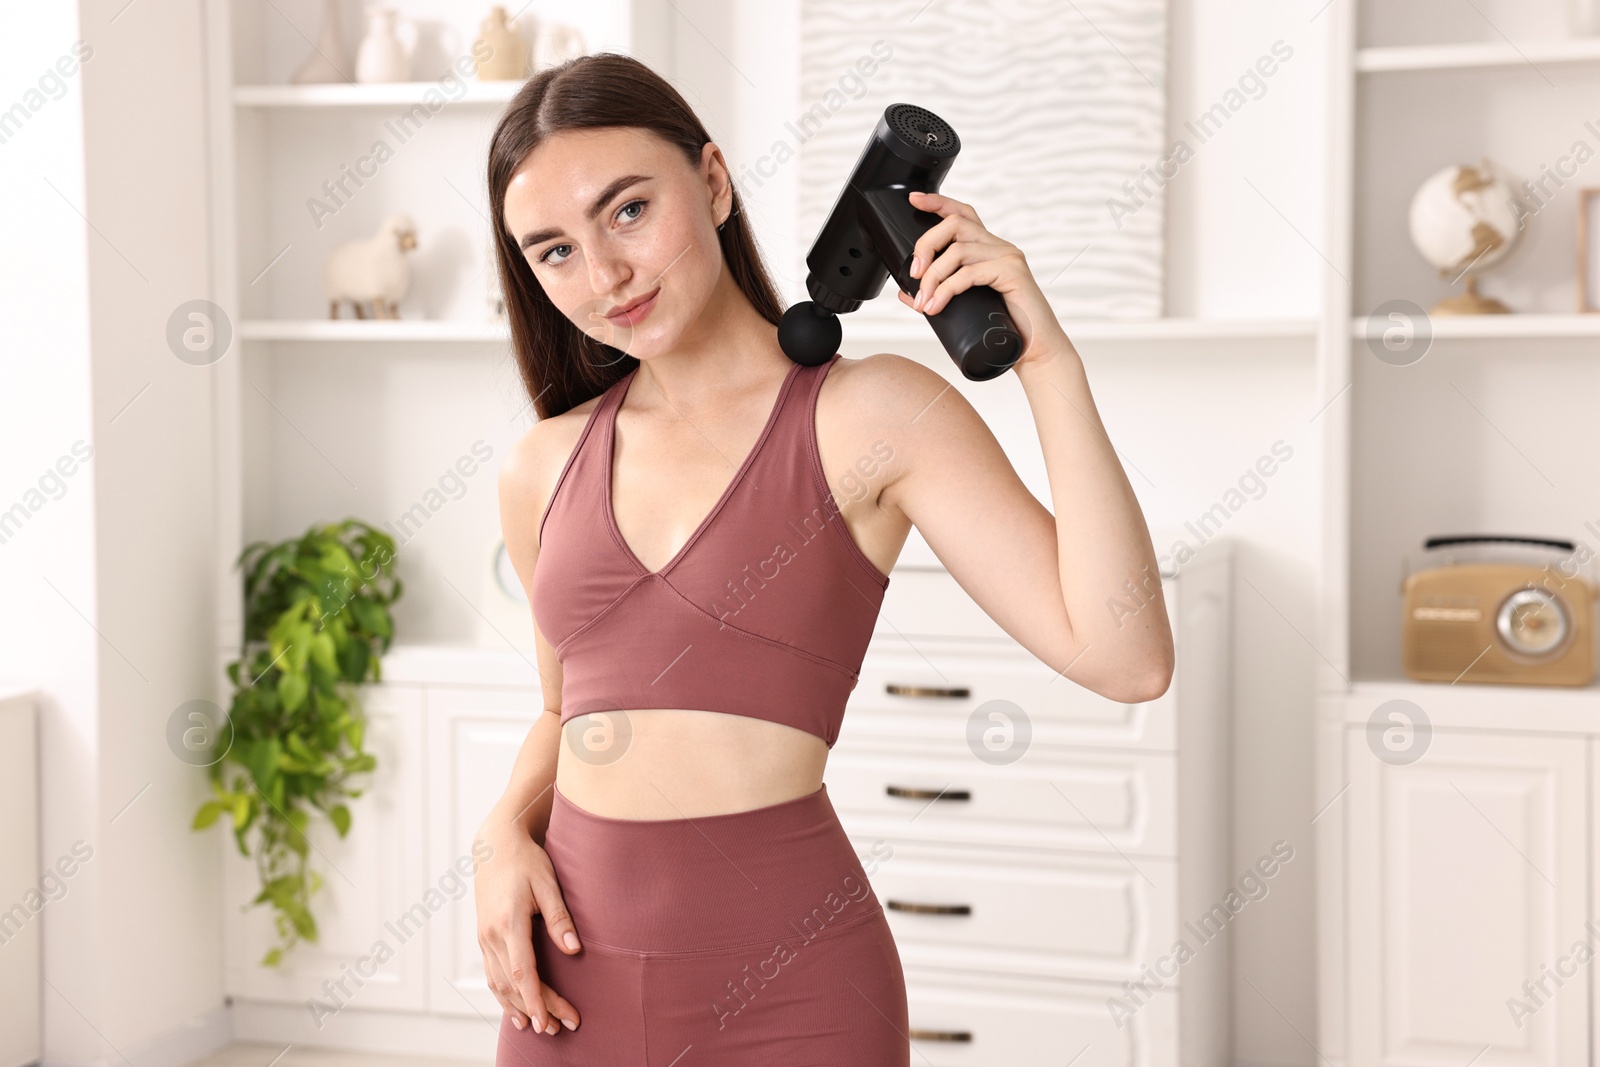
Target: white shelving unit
point(1428, 917)
point(323, 418)
point(402, 93)
point(1496, 327)
point(1474, 56)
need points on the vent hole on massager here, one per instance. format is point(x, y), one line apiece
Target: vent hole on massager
point(845, 271)
point(855, 253)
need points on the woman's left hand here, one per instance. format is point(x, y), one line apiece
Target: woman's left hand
point(971, 255)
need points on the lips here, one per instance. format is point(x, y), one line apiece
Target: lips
point(634, 311)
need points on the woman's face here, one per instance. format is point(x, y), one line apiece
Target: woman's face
point(608, 216)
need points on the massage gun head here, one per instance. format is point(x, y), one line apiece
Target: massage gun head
point(809, 334)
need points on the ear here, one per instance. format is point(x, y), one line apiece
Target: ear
point(719, 182)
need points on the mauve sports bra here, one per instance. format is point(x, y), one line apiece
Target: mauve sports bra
point(765, 612)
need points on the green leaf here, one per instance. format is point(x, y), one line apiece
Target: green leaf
point(208, 814)
point(316, 621)
point(292, 688)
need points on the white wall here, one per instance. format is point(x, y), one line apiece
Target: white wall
point(107, 588)
point(47, 564)
point(1246, 238)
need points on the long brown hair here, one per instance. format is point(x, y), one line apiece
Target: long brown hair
point(561, 365)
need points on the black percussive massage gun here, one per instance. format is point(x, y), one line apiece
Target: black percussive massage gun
point(872, 232)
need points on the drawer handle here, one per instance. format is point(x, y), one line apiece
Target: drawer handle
point(954, 692)
point(941, 1035)
point(927, 794)
point(929, 909)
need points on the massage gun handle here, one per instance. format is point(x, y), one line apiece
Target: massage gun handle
point(974, 326)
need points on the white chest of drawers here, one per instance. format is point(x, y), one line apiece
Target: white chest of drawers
point(1041, 850)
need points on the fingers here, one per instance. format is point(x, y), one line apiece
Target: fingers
point(946, 232)
point(940, 204)
point(560, 1008)
point(524, 975)
point(962, 242)
point(933, 301)
point(494, 974)
point(557, 920)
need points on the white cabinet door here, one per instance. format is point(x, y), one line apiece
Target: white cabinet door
point(1467, 878)
point(473, 737)
point(368, 954)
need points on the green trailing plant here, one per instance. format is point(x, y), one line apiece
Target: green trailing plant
point(316, 621)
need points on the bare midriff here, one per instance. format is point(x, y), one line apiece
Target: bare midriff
point(667, 763)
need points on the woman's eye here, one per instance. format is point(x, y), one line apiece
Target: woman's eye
point(545, 258)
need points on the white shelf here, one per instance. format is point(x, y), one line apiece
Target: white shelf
point(371, 330)
point(1523, 708)
point(1476, 56)
point(1172, 329)
point(1177, 329)
point(1509, 327)
point(871, 331)
point(392, 93)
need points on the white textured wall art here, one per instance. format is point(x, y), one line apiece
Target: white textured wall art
point(1059, 104)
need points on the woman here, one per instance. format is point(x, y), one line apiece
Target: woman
point(669, 882)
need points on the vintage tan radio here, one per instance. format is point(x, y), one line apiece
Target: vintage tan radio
point(1499, 611)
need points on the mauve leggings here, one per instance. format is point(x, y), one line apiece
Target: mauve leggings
point(751, 938)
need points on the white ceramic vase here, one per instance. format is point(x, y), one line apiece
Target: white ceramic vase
point(385, 52)
point(323, 65)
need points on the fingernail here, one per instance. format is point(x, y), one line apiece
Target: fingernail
point(571, 940)
point(569, 1024)
point(916, 266)
point(917, 303)
point(516, 1020)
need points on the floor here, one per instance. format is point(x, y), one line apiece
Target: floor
point(278, 1056)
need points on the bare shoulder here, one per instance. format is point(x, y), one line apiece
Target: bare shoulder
point(890, 394)
point(882, 390)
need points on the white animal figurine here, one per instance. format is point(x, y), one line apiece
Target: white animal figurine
point(372, 273)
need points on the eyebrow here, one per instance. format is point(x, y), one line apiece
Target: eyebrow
point(594, 209)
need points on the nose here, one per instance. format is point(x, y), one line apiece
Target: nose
point(608, 271)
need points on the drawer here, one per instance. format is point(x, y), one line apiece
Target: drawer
point(1084, 801)
point(944, 688)
point(1081, 917)
point(960, 1020)
point(924, 601)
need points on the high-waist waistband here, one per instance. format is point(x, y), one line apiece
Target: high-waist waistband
point(709, 883)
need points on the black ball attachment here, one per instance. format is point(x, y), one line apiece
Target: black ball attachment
point(809, 334)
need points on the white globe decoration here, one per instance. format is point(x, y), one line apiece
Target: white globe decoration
point(1464, 220)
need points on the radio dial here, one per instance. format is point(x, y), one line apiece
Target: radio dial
point(1533, 623)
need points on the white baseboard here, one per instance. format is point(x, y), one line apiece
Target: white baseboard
point(196, 1039)
point(357, 1030)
